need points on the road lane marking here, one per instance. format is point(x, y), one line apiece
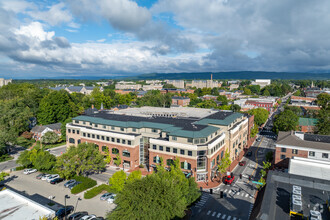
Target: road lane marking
point(208, 212)
point(226, 190)
point(229, 217)
point(246, 195)
point(214, 213)
point(224, 216)
point(237, 193)
point(234, 218)
point(218, 216)
point(229, 191)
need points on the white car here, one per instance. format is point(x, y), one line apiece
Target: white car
point(112, 198)
point(51, 177)
point(45, 176)
point(29, 171)
point(88, 217)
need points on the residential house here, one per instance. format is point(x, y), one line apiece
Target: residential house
point(40, 130)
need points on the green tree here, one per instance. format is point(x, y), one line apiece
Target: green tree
point(286, 121)
point(254, 130)
point(3, 175)
point(224, 163)
point(135, 175)
point(223, 99)
point(50, 138)
point(235, 108)
point(247, 91)
point(24, 159)
point(269, 156)
point(80, 160)
point(297, 93)
point(323, 123)
point(207, 104)
point(260, 115)
point(266, 93)
point(117, 181)
point(323, 100)
point(44, 161)
point(169, 86)
point(55, 107)
point(117, 161)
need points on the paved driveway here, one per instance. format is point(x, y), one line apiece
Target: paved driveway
point(40, 190)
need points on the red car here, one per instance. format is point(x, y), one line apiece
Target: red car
point(242, 163)
point(229, 180)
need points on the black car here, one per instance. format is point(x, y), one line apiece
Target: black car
point(73, 185)
point(249, 154)
point(77, 215)
point(62, 212)
point(40, 176)
point(56, 180)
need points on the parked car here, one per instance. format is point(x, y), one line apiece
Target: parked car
point(105, 196)
point(77, 215)
point(229, 179)
point(249, 154)
point(258, 139)
point(99, 218)
point(29, 171)
point(88, 217)
point(62, 212)
point(112, 198)
point(51, 177)
point(73, 185)
point(45, 176)
point(67, 184)
point(40, 176)
point(56, 180)
point(242, 163)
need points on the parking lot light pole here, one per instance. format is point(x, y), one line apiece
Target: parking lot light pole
point(65, 197)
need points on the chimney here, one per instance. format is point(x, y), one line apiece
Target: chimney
point(211, 76)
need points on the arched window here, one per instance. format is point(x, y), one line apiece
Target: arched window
point(104, 148)
point(156, 159)
point(115, 151)
point(71, 141)
point(185, 165)
point(169, 162)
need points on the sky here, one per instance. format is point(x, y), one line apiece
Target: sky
point(106, 38)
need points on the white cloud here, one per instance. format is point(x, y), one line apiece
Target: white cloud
point(101, 40)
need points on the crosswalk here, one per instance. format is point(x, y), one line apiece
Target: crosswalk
point(203, 200)
point(219, 215)
point(235, 194)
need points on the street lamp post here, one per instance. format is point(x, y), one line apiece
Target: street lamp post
point(65, 197)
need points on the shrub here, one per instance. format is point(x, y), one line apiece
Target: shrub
point(21, 141)
point(96, 190)
point(86, 183)
point(20, 168)
point(141, 166)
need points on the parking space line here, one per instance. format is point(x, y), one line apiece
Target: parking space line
point(226, 190)
point(237, 193)
point(234, 218)
point(214, 213)
point(246, 195)
point(218, 216)
point(224, 216)
point(208, 212)
point(229, 217)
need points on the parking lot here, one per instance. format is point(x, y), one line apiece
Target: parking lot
point(40, 191)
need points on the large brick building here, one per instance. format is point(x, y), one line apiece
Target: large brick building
point(299, 144)
point(199, 143)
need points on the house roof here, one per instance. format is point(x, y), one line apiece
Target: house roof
point(307, 121)
point(75, 88)
point(41, 128)
point(321, 142)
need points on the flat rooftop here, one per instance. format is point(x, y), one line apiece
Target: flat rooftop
point(310, 167)
point(14, 206)
point(278, 193)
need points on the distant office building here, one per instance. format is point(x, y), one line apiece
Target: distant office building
point(199, 84)
point(233, 86)
point(314, 92)
point(251, 103)
point(127, 85)
point(87, 90)
point(152, 87)
point(177, 83)
point(261, 82)
point(180, 101)
point(125, 91)
point(154, 81)
point(4, 82)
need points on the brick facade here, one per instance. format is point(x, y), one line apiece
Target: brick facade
point(283, 161)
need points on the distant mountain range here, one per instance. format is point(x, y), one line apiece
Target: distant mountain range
point(231, 75)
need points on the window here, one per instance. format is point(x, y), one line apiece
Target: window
point(156, 159)
point(154, 147)
point(202, 140)
point(282, 156)
point(134, 129)
point(97, 136)
point(84, 134)
point(154, 130)
point(161, 148)
point(201, 163)
point(102, 138)
point(90, 123)
point(122, 129)
point(182, 152)
point(212, 163)
point(185, 165)
point(112, 128)
point(294, 151)
point(175, 150)
point(189, 153)
point(123, 141)
point(168, 149)
point(69, 130)
point(325, 155)
point(93, 135)
point(129, 142)
point(84, 122)
point(169, 162)
point(104, 148)
point(311, 153)
point(89, 135)
point(196, 141)
point(77, 131)
point(104, 126)
point(77, 122)
point(222, 154)
point(174, 138)
point(283, 150)
point(189, 140)
point(201, 153)
point(73, 131)
point(71, 141)
point(112, 139)
point(115, 151)
point(95, 125)
point(126, 153)
point(218, 157)
point(108, 139)
point(79, 141)
point(118, 140)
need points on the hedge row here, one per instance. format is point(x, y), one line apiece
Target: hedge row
point(86, 183)
point(96, 190)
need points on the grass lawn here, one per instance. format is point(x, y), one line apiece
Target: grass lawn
point(48, 146)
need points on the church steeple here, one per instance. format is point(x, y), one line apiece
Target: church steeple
point(312, 86)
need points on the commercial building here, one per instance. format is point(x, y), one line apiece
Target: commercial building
point(261, 82)
point(152, 87)
point(177, 83)
point(299, 144)
point(15, 206)
point(127, 85)
point(4, 82)
point(164, 91)
point(180, 101)
point(250, 103)
point(199, 142)
point(315, 91)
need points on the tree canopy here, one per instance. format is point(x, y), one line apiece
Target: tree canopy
point(50, 138)
point(286, 121)
point(38, 158)
point(260, 115)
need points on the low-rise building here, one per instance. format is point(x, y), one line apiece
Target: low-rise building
point(299, 144)
point(125, 91)
point(307, 125)
point(261, 82)
point(177, 83)
point(152, 87)
point(4, 82)
point(209, 97)
point(164, 91)
point(40, 130)
point(180, 101)
point(87, 90)
point(122, 85)
point(199, 143)
point(233, 86)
